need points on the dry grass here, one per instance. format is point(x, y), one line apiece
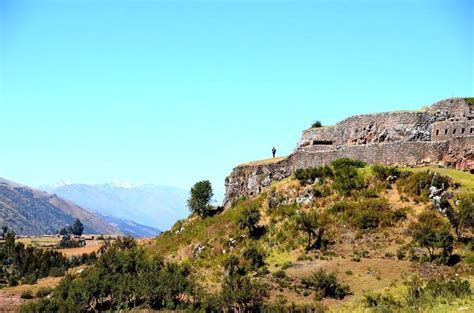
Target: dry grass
point(264, 162)
point(40, 242)
point(43, 282)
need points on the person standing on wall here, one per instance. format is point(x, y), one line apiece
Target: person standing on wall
point(274, 151)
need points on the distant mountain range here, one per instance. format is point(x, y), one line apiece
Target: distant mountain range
point(156, 206)
point(33, 212)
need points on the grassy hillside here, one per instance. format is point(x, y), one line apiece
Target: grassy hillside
point(368, 259)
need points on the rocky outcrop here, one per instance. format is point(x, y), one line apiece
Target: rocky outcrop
point(442, 134)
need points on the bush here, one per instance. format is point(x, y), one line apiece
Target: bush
point(438, 288)
point(381, 302)
point(57, 271)
point(316, 124)
point(383, 172)
point(432, 232)
point(27, 294)
point(420, 296)
point(325, 285)
point(241, 294)
point(30, 278)
point(347, 162)
point(462, 217)
point(309, 175)
point(347, 179)
point(287, 210)
point(249, 218)
point(418, 184)
point(450, 287)
point(43, 292)
point(255, 257)
point(123, 272)
point(313, 224)
point(367, 214)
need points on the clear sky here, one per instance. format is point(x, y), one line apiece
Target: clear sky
point(172, 92)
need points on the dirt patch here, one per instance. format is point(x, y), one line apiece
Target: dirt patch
point(365, 276)
point(10, 302)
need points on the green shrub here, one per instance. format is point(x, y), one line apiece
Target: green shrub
point(255, 257)
point(367, 214)
point(347, 162)
point(432, 232)
point(316, 124)
point(30, 279)
point(57, 271)
point(438, 288)
point(249, 218)
point(347, 179)
point(381, 302)
point(43, 292)
point(420, 296)
point(447, 287)
point(27, 294)
point(383, 172)
point(287, 210)
point(309, 175)
point(314, 226)
point(418, 184)
point(325, 285)
point(280, 274)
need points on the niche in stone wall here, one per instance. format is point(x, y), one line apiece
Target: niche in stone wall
point(322, 142)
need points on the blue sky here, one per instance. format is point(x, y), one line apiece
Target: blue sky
point(172, 92)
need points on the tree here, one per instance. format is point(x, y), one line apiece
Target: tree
point(77, 228)
point(241, 294)
point(199, 201)
point(432, 232)
point(312, 224)
point(462, 217)
point(255, 257)
point(249, 218)
point(326, 285)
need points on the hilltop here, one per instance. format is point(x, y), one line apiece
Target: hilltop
point(441, 134)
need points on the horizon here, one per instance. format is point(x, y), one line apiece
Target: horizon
point(170, 93)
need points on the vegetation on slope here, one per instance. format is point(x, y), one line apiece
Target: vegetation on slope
point(25, 265)
point(342, 237)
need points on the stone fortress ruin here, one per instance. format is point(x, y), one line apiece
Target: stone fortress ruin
point(441, 134)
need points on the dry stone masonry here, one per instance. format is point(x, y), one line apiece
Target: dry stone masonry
point(441, 134)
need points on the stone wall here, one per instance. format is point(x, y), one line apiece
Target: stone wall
point(457, 153)
point(310, 135)
point(394, 126)
point(384, 127)
point(457, 127)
